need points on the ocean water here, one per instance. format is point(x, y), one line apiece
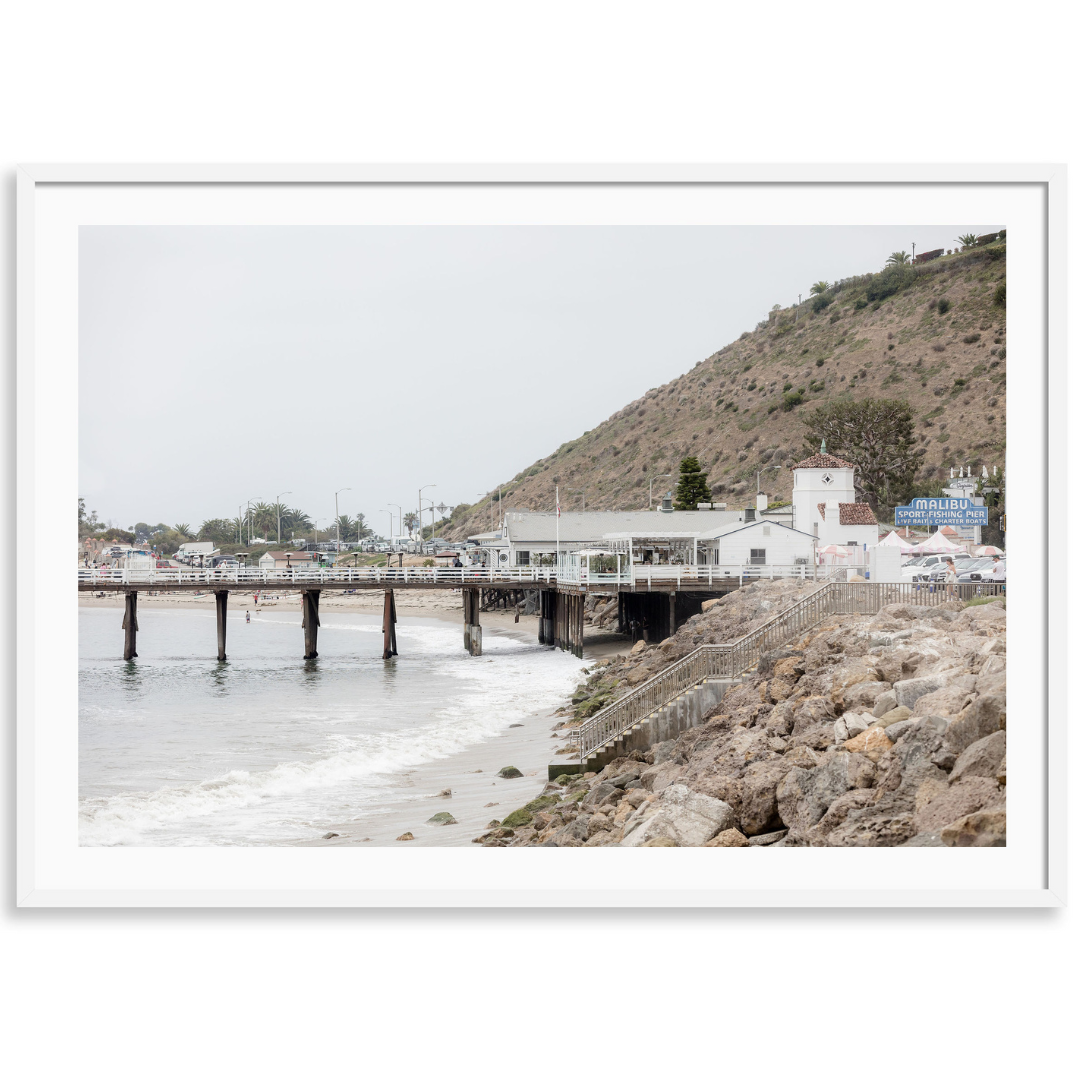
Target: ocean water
point(176, 748)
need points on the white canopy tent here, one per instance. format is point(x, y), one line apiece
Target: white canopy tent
point(938, 545)
point(894, 539)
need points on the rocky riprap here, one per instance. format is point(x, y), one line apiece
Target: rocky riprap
point(871, 731)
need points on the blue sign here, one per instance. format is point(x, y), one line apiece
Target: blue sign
point(960, 513)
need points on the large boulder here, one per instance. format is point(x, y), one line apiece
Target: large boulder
point(908, 691)
point(863, 695)
point(805, 794)
point(948, 700)
point(873, 743)
point(728, 838)
point(657, 777)
point(984, 828)
point(757, 810)
point(885, 703)
point(811, 713)
point(964, 797)
point(981, 758)
point(984, 716)
point(687, 817)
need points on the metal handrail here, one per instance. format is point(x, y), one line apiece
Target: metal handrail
point(727, 660)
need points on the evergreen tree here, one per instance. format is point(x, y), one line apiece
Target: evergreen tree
point(878, 437)
point(693, 485)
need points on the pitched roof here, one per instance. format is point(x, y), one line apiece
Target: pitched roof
point(823, 461)
point(852, 513)
point(591, 526)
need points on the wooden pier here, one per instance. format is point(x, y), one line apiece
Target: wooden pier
point(649, 607)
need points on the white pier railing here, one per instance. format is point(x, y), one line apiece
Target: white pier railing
point(641, 576)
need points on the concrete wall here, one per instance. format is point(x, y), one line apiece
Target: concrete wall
point(686, 711)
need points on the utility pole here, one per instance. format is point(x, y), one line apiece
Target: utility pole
point(337, 515)
point(912, 252)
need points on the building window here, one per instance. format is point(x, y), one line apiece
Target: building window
point(757, 556)
point(765, 530)
point(523, 558)
point(826, 479)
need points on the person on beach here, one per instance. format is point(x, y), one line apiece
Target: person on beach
point(248, 614)
point(950, 579)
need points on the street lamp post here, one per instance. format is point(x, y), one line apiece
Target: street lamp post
point(277, 502)
point(420, 512)
point(760, 471)
point(399, 525)
point(337, 515)
point(658, 476)
point(250, 523)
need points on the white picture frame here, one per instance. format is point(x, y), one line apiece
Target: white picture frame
point(52, 871)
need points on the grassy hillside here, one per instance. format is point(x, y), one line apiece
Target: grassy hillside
point(937, 341)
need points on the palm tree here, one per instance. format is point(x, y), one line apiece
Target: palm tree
point(818, 288)
point(409, 521)
point(968, 240)
point(898, 258)
point(346, 525)
point(263, 518)
point(184, 529)
point(361, 526)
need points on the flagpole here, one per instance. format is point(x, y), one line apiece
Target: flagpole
point(558, 513)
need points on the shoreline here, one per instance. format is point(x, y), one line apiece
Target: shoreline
point(528, 744)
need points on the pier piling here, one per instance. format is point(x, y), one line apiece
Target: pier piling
point(221, 602)
point(470, 599)
point(310, 607)
point(131, 623)
point(546, 631)
point(389, 625)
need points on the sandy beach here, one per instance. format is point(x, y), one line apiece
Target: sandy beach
point(478, 795)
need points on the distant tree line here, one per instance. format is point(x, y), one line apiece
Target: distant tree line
point(259, 521)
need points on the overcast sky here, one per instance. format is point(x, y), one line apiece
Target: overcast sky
point(218, 366)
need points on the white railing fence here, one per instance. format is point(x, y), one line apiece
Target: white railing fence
point(663, 576)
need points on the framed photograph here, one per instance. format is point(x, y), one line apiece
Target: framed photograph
point(448, 535)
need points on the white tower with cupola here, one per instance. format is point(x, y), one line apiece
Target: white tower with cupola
point(820, 478)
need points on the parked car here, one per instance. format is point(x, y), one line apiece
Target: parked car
point(919, 569)
point(937, 572)
point(980, 571)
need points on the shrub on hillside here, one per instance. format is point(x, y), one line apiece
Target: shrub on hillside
point(820, 361)
point(791, 399)
point(860, 303)
point(970, 339)
point(889, 282)
point(999, 298)
point(943, 306)
point(820, 302)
